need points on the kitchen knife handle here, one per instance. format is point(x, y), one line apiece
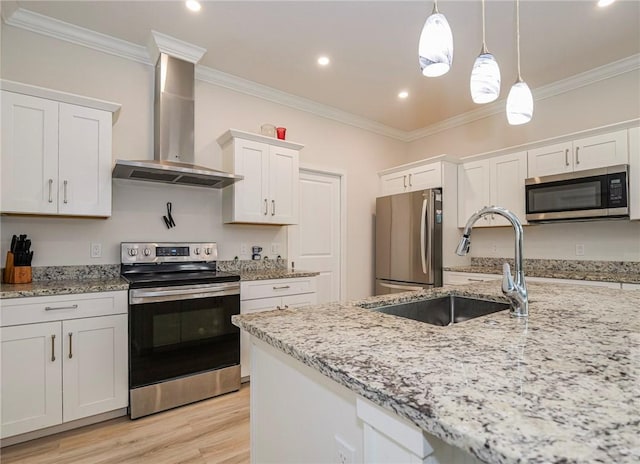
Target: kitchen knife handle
point(53, 348)
point(65, 191)
point(70, 342)
point(266, 207)
point(50, 190)
point(577, 155)
point(566, 157)
point(273, 207)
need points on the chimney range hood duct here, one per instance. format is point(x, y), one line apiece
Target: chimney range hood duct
point(173, 133)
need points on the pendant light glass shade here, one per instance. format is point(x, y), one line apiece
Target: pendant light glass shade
point(435, 49)
point(519, 104)
point(485, 79)
point(485, 75)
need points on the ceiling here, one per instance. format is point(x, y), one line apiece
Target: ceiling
point(373, 45)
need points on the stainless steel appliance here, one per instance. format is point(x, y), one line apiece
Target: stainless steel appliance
point(182, 345)
point(585, 195)
point(408, 241)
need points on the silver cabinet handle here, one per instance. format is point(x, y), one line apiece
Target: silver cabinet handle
point(285, 307)
point(474, 280)
point(577, 155)
point(423, 237)
point(410, 180)
point(273, 207)
point(50, 308)
point(282, 287)
point(266, 207)
point(70, 341)
point(50, 188)
point(53, 348)
point(65, 191)
point(566, 157)
point(404, 181)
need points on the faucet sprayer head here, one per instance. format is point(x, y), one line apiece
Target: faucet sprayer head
point(464, 245)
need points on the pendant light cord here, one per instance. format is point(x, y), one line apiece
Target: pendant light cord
point(435, 7)
point(484, 42)
point(518, 36)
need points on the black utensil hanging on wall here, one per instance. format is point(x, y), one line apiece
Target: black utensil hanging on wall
point(168, 219)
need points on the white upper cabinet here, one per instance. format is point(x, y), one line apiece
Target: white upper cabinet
point(587, 153)
point(419, 177)
point(634, 173)
point(268, 194)
point(497, 181)
point(56, 157)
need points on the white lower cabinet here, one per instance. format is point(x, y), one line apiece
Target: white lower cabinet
point(464, 278)
point(66, 368)
point(266, 295)
point(630, 286)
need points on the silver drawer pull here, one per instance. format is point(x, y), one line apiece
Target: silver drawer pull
point(50, 186)
point(474, 280)
point(65, 191)
point(282, 287)
point(266, 207)
point(49, 308)
point(70, 342)
point(53, 348)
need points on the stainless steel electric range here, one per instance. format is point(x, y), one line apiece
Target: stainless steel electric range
point(182, 345)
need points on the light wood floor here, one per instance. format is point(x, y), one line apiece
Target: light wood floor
point(211, 431)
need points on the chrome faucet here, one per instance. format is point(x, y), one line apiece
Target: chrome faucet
point(516, 290)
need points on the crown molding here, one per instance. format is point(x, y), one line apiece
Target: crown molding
point(238, 84)
point(607, 71)
point(61, 30)
point(163, 43)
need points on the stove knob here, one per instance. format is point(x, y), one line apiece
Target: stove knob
point(147, 252)
point(207, 251)
point(196, 251)
point(133, 252)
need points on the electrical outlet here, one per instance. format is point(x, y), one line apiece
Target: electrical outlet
point(494, 248)
point(96, 250)
point(345, 454)
point(244, 249)
point(275, 248)
point(579, 249)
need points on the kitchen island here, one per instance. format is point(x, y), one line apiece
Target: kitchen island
point(561, 386)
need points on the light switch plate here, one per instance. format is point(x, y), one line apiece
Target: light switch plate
point(96, 250)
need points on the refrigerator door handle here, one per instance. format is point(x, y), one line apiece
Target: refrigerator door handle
point(423, 238)
point(400, 287)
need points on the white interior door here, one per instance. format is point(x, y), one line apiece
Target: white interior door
point(316, 243)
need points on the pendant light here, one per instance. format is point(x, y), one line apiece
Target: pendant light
point(485, 75)
point(435, 49)
point(520, 100)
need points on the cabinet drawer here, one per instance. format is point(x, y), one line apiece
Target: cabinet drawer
point(56, 308)
point(463, 278)
point(259, 305)
point(276, 288)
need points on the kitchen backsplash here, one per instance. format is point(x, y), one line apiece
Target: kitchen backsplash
point(94, 271)
point(561, 265)
point(245, 265)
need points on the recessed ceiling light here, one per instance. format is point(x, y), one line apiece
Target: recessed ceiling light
point(193, 5)
point(603, 3)
point(404, 94)
point(324, 60)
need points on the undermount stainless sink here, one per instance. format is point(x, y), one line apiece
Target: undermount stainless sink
point(445, 310)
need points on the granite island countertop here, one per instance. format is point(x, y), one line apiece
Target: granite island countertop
point(561, 386)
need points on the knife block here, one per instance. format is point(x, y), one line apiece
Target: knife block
point(16, 274)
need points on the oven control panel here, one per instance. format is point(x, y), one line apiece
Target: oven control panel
point(153, 252)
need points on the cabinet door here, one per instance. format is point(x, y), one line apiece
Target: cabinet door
point(425, 177)
point(283, 185)
point(508, 173)
point(395, 182)
point(600, 151)
point(250, 195)
point(473, 191)
point(550, 160)
point(95, 365)
point(248, 307)
point(84, 186)
point(29, 154)
point(634, 172)
point(31, 377)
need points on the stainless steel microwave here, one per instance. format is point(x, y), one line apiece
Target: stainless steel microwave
point(592, 194)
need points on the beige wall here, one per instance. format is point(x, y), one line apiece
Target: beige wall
point(138, 207)
point(606, 102)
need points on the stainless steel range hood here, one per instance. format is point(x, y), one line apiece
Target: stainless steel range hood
point(173, 133)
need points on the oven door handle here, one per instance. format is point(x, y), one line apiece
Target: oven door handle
point(157, 295)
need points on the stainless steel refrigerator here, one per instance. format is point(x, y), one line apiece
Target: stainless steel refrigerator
point(408, 241)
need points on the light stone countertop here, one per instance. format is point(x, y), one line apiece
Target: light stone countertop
point(62, 287)
point(562, 386)
point(265, 274)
